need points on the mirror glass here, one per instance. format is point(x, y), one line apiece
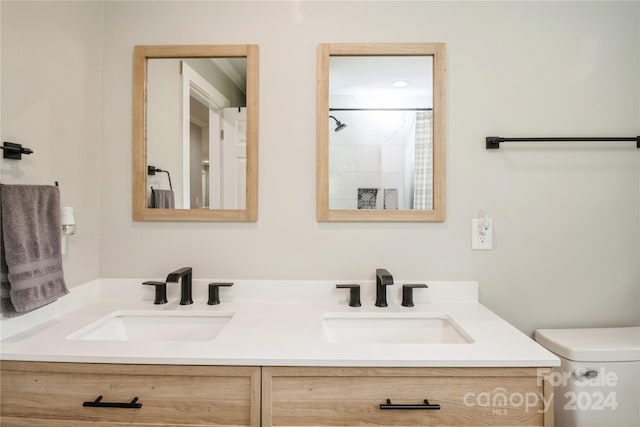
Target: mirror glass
point(195, 136)
point(381, 132)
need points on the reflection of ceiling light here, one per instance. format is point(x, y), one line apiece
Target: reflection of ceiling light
point(400, 83)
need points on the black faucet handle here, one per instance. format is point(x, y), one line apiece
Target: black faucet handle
point(354, 294)
point(214, 292)
point(407, 293)
point(161, 291)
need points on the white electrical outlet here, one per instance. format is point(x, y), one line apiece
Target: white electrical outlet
point(481, 233)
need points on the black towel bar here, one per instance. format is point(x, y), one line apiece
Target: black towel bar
point(14, 151)
point(151, 170)
point(493, 142)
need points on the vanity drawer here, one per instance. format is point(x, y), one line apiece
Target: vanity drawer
point(352, 397)
point(52, 394)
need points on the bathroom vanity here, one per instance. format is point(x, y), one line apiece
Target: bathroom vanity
point(286, 355)
point(67, 394)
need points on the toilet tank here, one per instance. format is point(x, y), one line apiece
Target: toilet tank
point(598, 381)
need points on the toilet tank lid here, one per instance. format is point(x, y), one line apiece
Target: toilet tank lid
point(593, 344)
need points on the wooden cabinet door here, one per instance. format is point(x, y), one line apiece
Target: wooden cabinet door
point(52, 394)
point(353, 397)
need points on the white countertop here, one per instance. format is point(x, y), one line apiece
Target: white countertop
point(274, 323)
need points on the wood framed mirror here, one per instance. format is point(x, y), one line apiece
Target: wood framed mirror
point(195, 133)
point(381, 132)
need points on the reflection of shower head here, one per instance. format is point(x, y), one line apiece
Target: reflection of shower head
point(339, 124)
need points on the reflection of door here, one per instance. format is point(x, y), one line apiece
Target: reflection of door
point(215, 162)
point(201, 103)
point(195, 166)
point(234, 157)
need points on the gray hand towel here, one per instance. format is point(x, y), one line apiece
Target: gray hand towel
point(30, 254)
point(162, 199)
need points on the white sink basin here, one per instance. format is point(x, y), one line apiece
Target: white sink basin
point(154, 326)
point(392, 328)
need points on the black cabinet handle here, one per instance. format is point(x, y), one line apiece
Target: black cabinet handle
point(98, 403)
point(425, 405)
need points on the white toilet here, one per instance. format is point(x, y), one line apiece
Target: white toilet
point(598, 382)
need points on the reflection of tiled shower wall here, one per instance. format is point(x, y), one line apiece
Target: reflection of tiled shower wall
point(377, 198)
point(371, 152)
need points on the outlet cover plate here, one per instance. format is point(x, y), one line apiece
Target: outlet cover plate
point(478, 241)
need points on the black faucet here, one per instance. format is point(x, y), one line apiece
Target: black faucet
point(185, 274)
point(383, 279)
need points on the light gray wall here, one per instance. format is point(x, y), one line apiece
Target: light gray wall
point(567, 234)
point(51, 102)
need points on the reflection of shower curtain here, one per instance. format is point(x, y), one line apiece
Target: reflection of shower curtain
point(423, 177)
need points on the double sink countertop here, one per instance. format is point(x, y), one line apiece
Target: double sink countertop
point(270, 323)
